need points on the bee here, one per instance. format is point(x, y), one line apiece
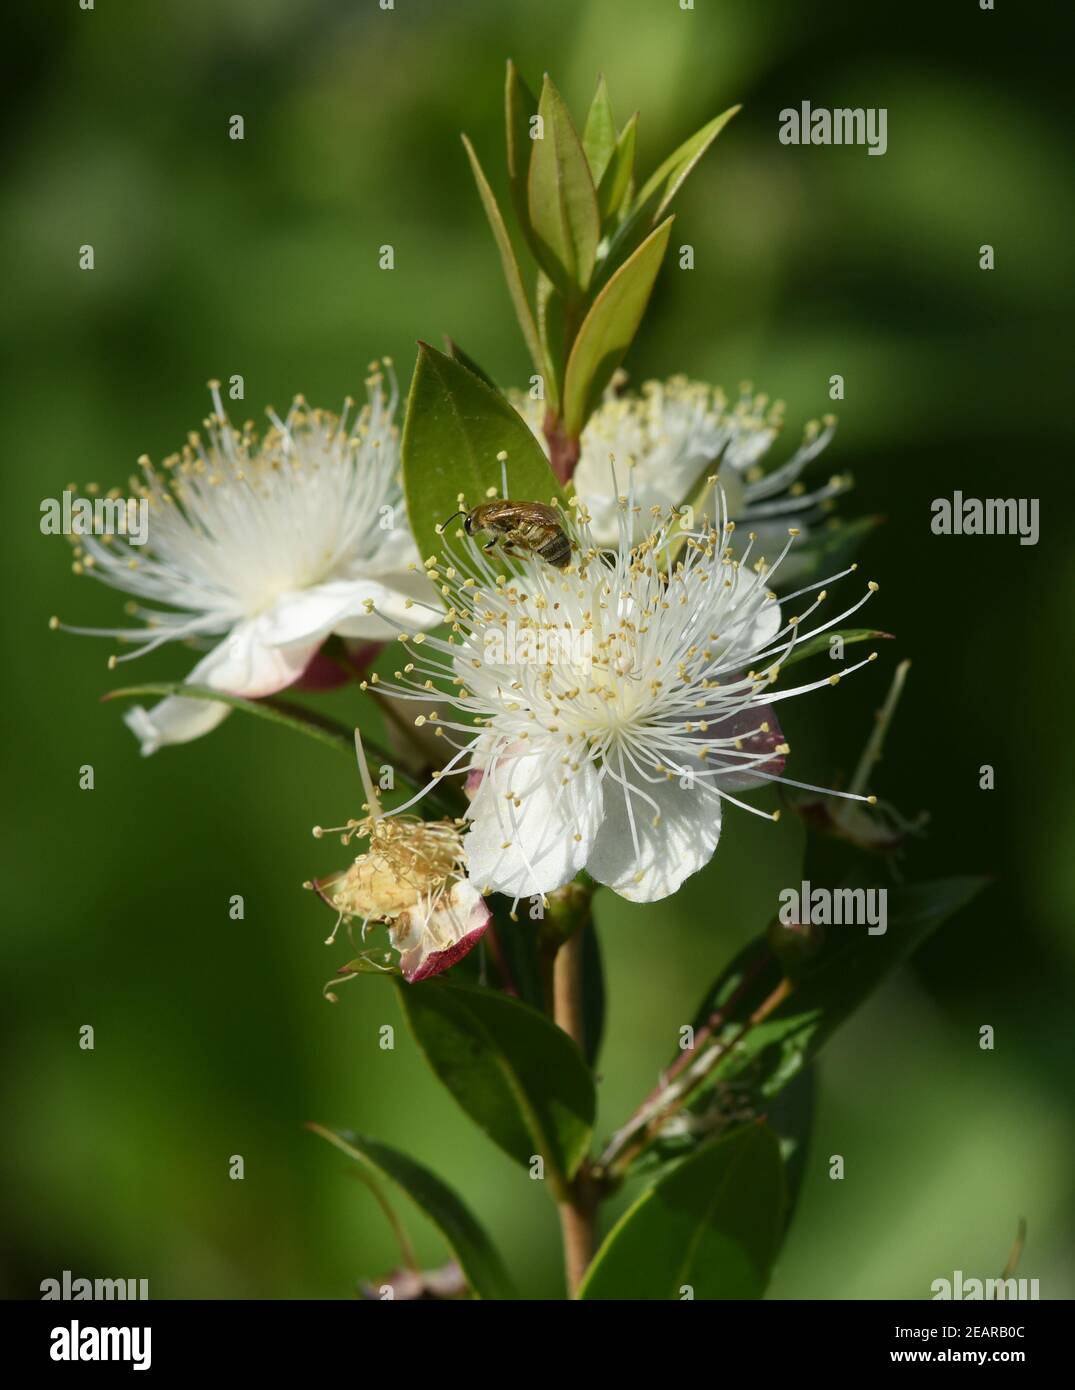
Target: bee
point(532, 527)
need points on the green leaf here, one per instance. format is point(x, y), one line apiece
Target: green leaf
point(616, 180)
point(830, 984)
point(820, 642)
point(470, 1245)
point(458, 354)
point(713, 1223)
point(316, 726)
point(508, 262)
point(791, 1116)
point(552, 325)
point(517, 943)
point(593, 994)
point(517, 1075)
point(663, 185)
point(690, 508)
point(658, 191)
point(561, 199)
point(520, 105)
point(832, 980)
point(455, 427)
point(608, 329)
point(599, 135)
point(843, 973)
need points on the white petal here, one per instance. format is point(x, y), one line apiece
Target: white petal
point(173, 720)
point(648, 861)
point(404, 598)
point(430, 942)
point(241, 665)
point(341, 605)
point(542, 843)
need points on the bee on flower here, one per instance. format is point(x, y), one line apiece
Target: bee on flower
point(614, 755)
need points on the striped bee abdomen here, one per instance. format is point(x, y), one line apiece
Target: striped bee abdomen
point(556, 550)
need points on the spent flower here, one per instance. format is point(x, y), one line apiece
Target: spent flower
point(411, 877)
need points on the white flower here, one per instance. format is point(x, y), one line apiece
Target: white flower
point(616, 753)
point(411, 877)
point(674, 434)
point(269, 544)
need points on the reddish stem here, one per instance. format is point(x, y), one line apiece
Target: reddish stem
point(563, 450)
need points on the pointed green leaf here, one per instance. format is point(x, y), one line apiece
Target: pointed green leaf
point(599, 135)
point(790, 1115)
point(832, 981)
point(665, 182)
point(458, 354)
point(552, 325)
point(516, 947)
point(508, 262)
point(513, 1071)
point(454, 429)
point(616, 180)
point(593, 994)
point(843, 973)
point(469, 1244)
point(561, 199)
point(520, 106)
point(830, 984)
point(658, 191)
point(713, 1225)
point(690, 509)
point(608, 329)
point(820, 642)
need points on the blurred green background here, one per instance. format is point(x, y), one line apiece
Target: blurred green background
point(215, 257)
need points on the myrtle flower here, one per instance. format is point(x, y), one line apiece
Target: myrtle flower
point(644, 701)
point(411, 877)
point(674, 434)
point(263, 547)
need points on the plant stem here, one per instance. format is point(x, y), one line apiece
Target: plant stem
point(578, 1209)
point(577, 1227)
point(644, 1126)
point(567, 988)
point(563, 450)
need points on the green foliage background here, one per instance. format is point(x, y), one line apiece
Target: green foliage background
point(260, 257)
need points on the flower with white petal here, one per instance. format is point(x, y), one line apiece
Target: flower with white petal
point(411, 877)
point(261, 548)
point(650, 703)
point(673, 435)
